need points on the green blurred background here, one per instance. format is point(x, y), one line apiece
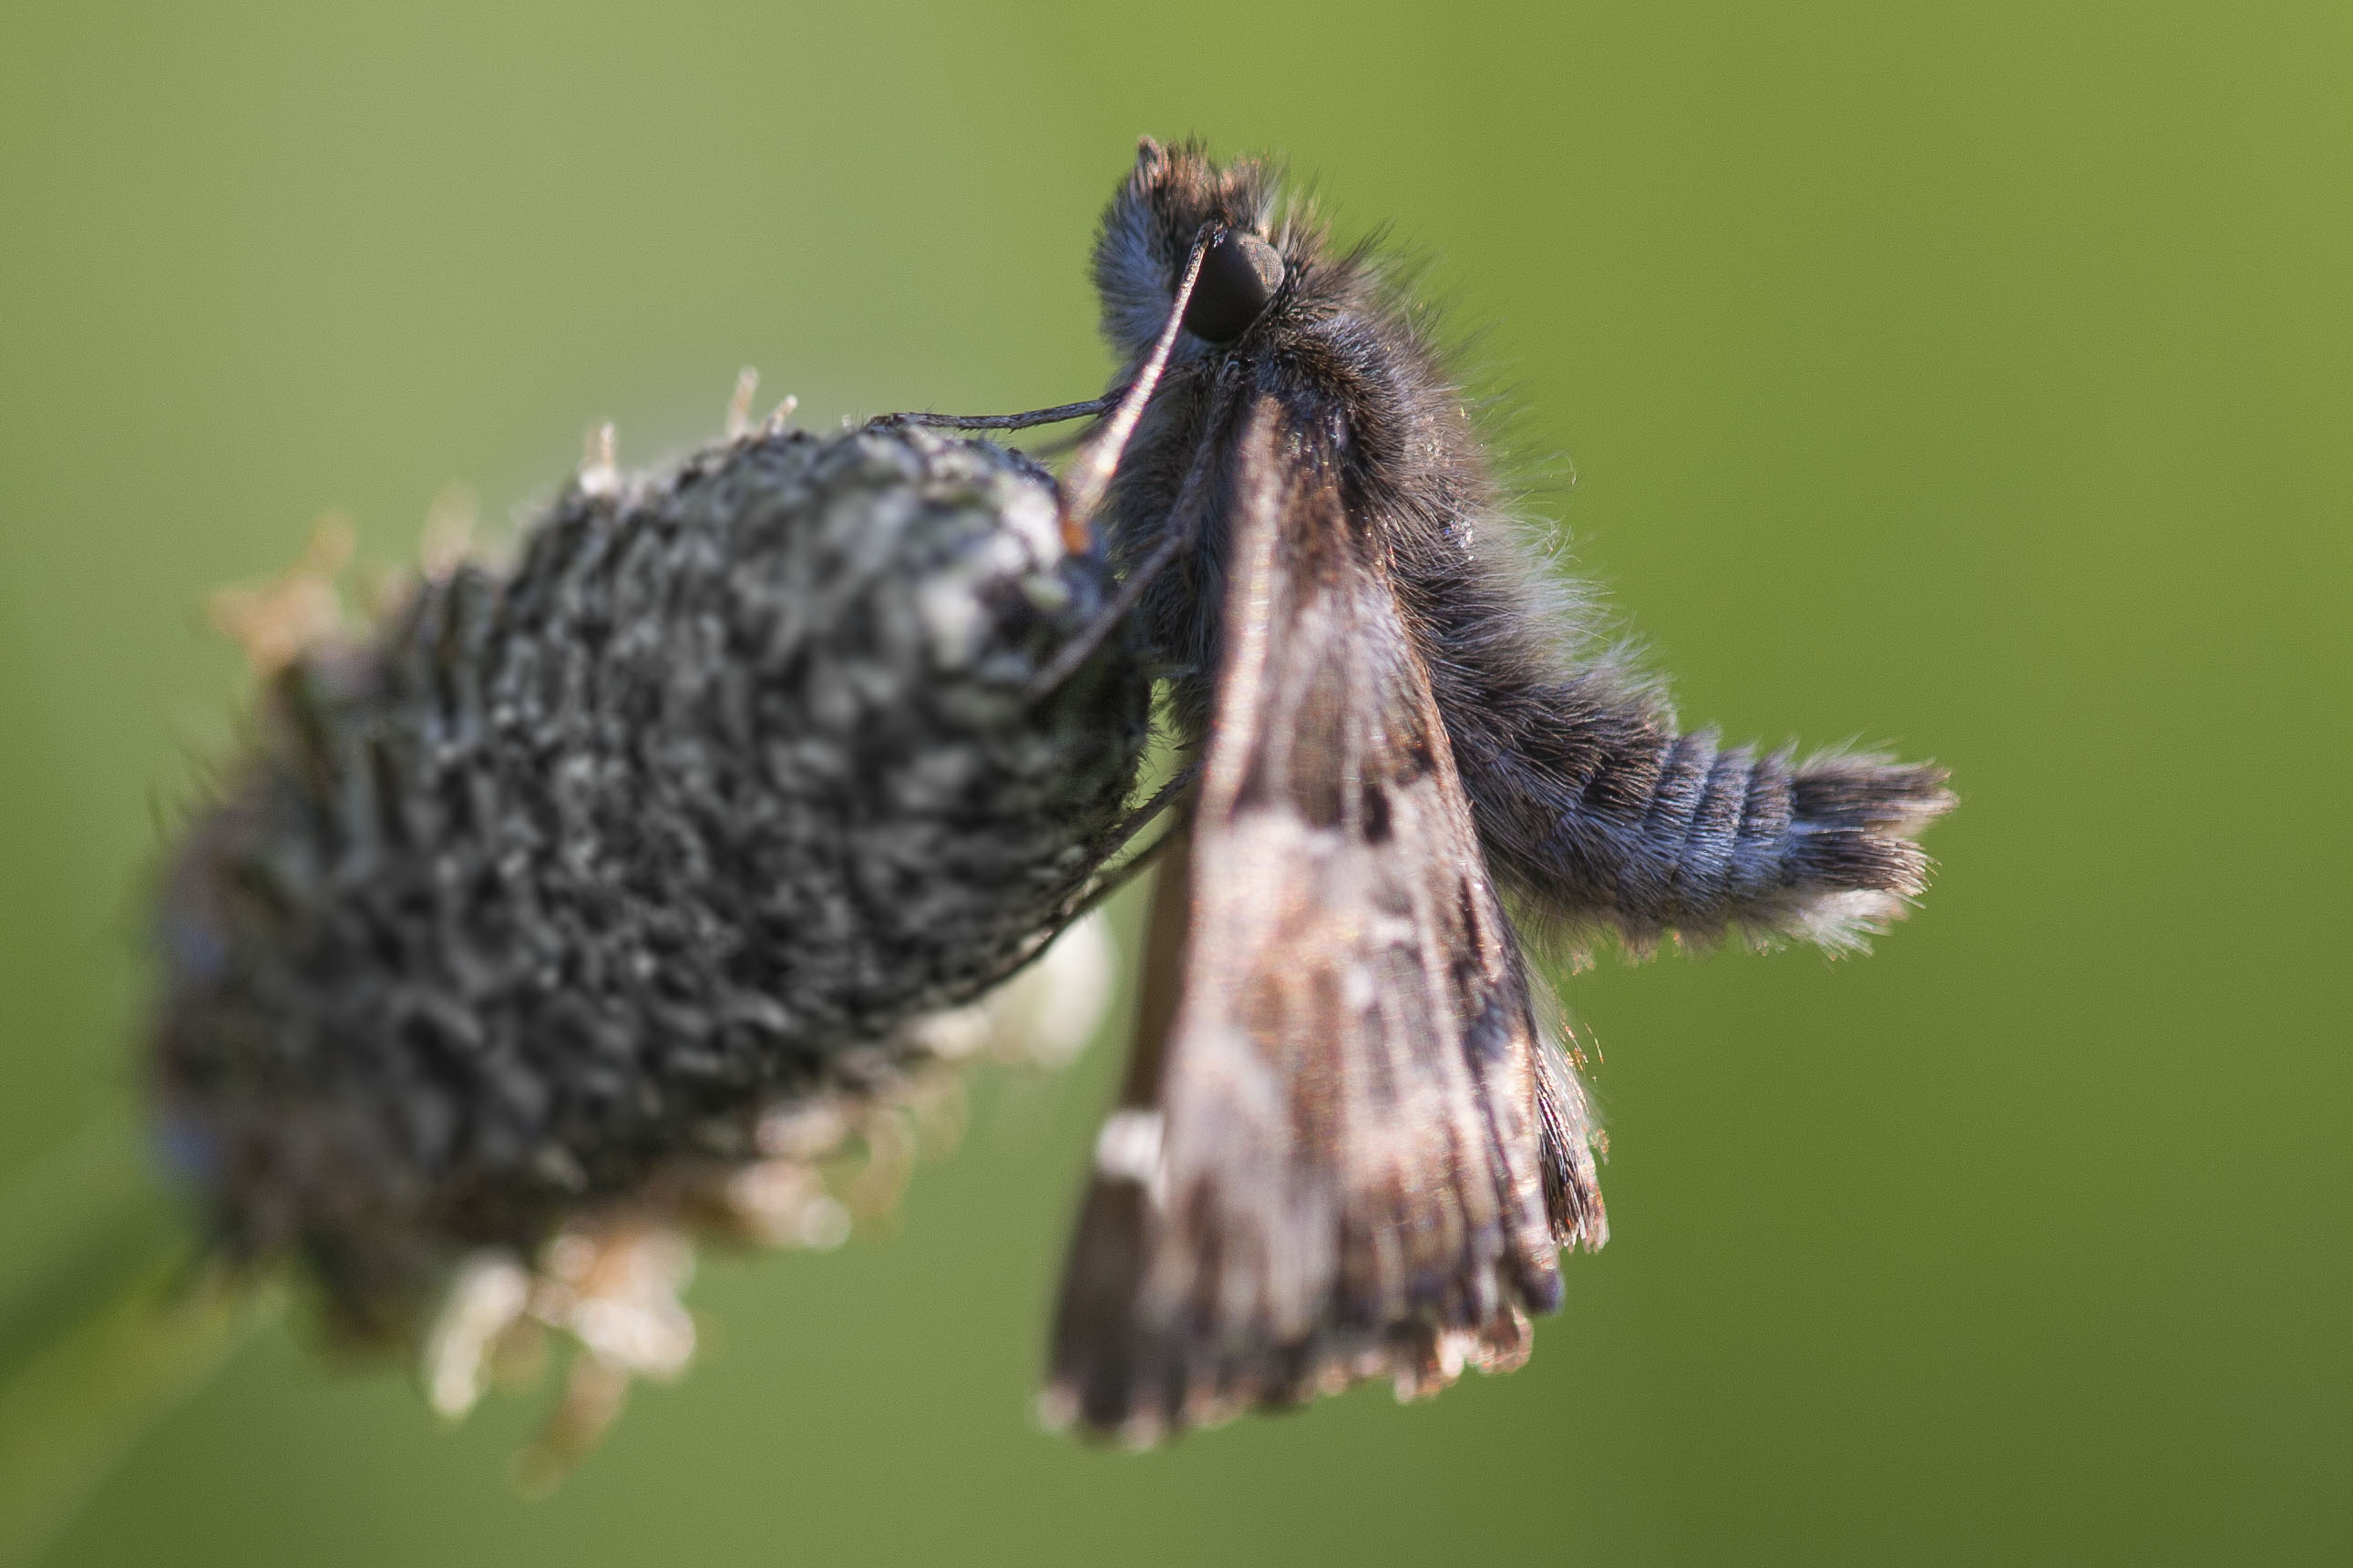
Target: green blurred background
point(1968, 379)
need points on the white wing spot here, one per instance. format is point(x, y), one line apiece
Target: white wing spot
point(1128, 1147)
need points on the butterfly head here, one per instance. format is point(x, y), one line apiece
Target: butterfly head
point(1175, 197)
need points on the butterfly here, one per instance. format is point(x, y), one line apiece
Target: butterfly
point(1349, 1144)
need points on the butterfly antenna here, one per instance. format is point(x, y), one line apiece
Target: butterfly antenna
point(1090, 474)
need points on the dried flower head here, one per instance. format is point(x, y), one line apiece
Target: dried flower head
point(573, 877)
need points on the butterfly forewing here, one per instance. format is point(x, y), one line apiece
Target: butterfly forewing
point(1355, 1155)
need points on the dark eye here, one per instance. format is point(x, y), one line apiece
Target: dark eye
point(1239, 276)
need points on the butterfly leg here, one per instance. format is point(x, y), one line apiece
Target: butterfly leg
point(1058, 413)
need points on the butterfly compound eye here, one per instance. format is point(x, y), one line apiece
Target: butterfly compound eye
point(1239, 276)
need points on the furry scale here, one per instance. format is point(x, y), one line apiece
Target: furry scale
point(1312, 1246)
point(1593, 808)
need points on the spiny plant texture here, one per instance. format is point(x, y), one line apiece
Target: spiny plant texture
point(568, 871)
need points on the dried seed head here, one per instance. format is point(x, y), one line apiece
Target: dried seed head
point(573, 872)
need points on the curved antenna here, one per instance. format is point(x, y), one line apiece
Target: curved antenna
point(1090, 474)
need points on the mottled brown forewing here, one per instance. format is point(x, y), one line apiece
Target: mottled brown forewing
point(1351, 1154)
